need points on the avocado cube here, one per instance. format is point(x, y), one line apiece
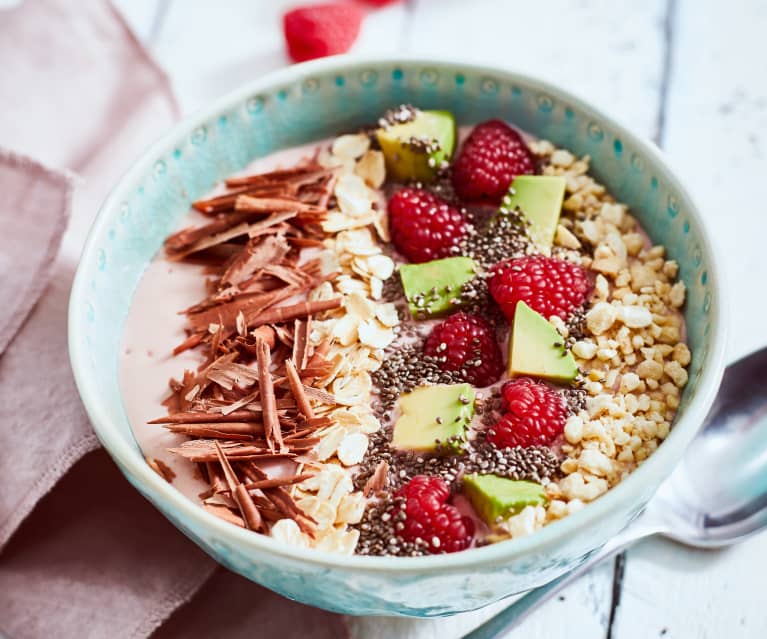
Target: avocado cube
point(433, 288)
point(540, 198)
point(415, 150)
point(431, 414)
point(537, 349)
point(496, 498)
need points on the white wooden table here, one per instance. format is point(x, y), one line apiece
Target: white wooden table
point(690, 74)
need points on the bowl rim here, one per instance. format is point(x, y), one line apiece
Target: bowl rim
point(556, 533)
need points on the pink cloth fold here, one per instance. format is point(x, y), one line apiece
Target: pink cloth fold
point(81, 553)
point(40, 201)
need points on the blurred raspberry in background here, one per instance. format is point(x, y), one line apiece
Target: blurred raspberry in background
point(319, 30)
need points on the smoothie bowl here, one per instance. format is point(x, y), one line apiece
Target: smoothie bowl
point(397, 337)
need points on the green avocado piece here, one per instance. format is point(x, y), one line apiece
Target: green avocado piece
point(537, 349)
point(432, 288)
point(434, 413)
point(540, 198)
point(495, 498)
point(415, 150)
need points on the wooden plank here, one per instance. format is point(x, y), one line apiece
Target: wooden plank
point(608, 51)
point(715, 133)
point(584, 606)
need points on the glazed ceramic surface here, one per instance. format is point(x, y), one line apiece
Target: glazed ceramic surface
point(326, 98)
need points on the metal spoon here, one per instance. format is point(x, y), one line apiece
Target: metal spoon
point(716, 496)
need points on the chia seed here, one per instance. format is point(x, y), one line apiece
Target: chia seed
point(503, 236)
point(475, 298)
point(405, 368)
point(576, 399)
point(379, 530)
point(576, 324)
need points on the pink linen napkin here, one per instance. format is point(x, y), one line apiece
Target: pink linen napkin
point(81, 553)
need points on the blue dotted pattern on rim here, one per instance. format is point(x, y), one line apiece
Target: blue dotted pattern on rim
point(328, 104)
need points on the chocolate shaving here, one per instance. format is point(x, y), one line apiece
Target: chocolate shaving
point(294, 311)
point(228, 375)
point(251, 306)
point(276, 482)
point(297, 389)
point(295, 176)
point(225, 203)
point(203, 450)
point(272, 429)
point(190, 342)
point(301, 330)
point(258, 253)
point(319, 395)
point(281, 500)
point(318, 422)
point(239, 408)
point(215, 477)
point(215, 420)
point(378, 480)
point(161, 468)
point(242, 431)
point(192, 240)
point(284, 334)
point(290, 276)
point(253, 204)
point(240, 495)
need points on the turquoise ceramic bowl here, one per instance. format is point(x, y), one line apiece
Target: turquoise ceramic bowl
point(321, 99)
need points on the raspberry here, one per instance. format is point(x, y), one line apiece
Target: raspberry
point(467, 343)
point(536, 415)
point(423, 226)
point(490, 158)
point(430, 518)
point(315, 31)
point(547, 285)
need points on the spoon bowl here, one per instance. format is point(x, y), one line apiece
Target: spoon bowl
point(717, 495)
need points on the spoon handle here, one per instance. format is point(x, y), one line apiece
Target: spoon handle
point(510, 617)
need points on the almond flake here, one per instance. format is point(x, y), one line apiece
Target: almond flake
point(323, 292)
point(329, 441)
point(387, 314)
point(359, 306)
point(339, 541)
point(351, 145)
point(321, 511)
point(352, 449)
point(351, 390)
point(357, 242)
point(372, 333)
point(348, 285)
point(288, 532)
point(372, 168)
point(351, 508)
point(354, 198)
point(381, 224)
point(382, 266)
point(376, 288)
point(345, 330)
